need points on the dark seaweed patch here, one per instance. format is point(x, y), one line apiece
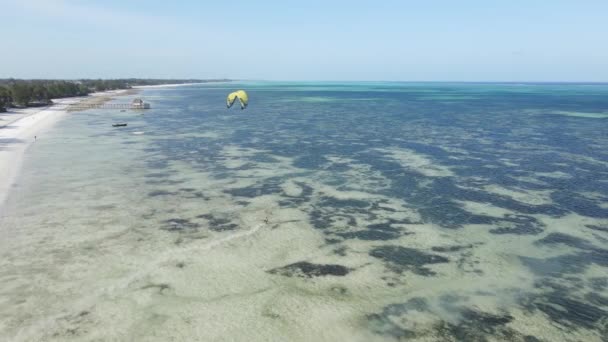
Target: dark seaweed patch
point(600, 238)
point(178, 224)
point(598, 228)
point(306, 190)
point(196, 194)
point(448, 249)
point(287, 204)
point(219, 224)
point(477, 326)
point(559, 291)
point(599, 283)
point(321, 220)
point(472, 325)
point(383, 323)
point(263, 158)
point(568, 240)
point(374, 235)
point(438, 207)
point(313, 161)
point(383, 227)
point(401, 259)
point(269, 187)
point(306, 269)
point(517, 230)
point(104, 207)
point(160, 193)
point(225, 227)
point(164, 182)
point(342, 203)
point(518, 224)
point(597, 299)
point(246, 166)
point(158, 175)
point(564, 309)
point(566, 264)
point(341, 251)
point(378, 231)
point(343, 218)
point(578, 204)
point(450, 215)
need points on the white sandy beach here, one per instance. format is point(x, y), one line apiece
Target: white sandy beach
point(19, 128)
point(18, 135)
point(22, 127)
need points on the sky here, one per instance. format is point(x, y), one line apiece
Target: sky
point(388, 40)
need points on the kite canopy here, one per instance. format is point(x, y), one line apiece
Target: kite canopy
point(239, 94)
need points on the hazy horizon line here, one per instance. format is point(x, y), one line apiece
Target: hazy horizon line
point(315, 81)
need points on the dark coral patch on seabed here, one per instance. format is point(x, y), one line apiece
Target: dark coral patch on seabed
point(402, 259)
point(466, 324)
point(306, 269)
point(179, 224)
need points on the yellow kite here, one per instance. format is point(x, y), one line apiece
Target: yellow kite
point(239, 94)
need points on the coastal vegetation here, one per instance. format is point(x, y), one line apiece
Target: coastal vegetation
point(28, 93)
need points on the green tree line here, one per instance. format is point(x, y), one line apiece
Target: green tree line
point(24, 93)
point(40, 92)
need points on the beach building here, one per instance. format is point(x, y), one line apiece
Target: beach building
point(139, 104)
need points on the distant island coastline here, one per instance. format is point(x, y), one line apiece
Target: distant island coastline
point(20, 93)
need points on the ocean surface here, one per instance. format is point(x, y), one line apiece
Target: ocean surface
point(322, 212)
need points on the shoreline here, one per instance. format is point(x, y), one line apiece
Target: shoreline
point(18, 135)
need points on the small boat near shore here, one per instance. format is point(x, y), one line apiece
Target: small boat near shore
point(119, 125)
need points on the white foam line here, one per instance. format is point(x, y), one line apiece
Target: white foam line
point(234, 236)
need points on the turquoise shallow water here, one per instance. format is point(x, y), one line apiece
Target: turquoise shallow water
point(324, 211)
